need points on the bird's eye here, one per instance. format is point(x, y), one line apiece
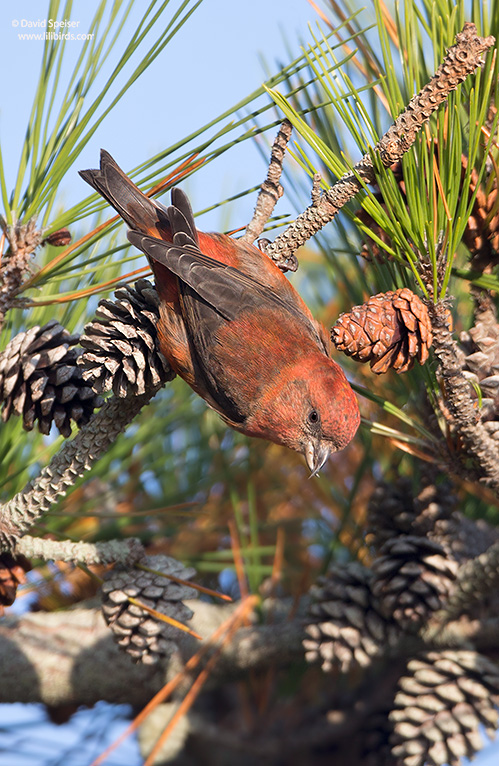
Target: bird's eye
point(313, 416)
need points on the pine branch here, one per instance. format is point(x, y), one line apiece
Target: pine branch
point(122, 552)
point(16, 262)
point(270, 192)
point(73, 460)
point(461, 61)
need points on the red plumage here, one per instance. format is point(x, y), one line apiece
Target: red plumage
point(233, 327)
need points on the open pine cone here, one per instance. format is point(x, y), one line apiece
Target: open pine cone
point(412, 578)
point(146, 638)
point(347, 628)
point(121, 352)
point(443, 701)
point(391, 330)
point(40, 380)
point(390, 511)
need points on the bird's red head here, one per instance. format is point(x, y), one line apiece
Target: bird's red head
point(314, 411)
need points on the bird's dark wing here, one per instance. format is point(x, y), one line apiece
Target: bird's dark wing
point(223, 290)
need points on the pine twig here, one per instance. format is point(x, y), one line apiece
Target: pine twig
point(123, 552)
point(461, 60)
point(72, 461)
point(15, 263)
point(271, 191)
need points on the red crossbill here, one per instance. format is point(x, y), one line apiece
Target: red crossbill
point(233, 327)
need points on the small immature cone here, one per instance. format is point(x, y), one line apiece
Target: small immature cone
point(391, 330)
point(59, 238)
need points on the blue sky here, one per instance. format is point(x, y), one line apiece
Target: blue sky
point(210, 65)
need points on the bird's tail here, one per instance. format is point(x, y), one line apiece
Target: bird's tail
point(140, 212)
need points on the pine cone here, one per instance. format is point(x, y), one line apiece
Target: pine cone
point(144, 637)
point(481, 234)
point(477, 587)
point(463, 537)
point(347, 628)
point(442, 703)
point(390, 511)
point(121, 351)
point(481, 362)
point(412, 579)
point(391, 330)
point(40, 380)
point(12, 574)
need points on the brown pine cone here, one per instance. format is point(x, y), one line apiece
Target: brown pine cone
point(391, 330)
point(347, 629)
point(412, 578)
point(40, 380)
point(121, 351)
point(12, 574)
point(442, 703)
point(393, 509)
point(463, 537)
point(144, 637)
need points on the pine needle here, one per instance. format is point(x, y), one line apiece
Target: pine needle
point(164, 617)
